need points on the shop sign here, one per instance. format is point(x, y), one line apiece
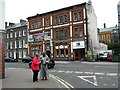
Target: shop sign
point(47, 35)
point(78, 44)
point(31, 38)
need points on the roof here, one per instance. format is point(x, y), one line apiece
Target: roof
point(56, 10)
point(16, 25)
point(107, 29)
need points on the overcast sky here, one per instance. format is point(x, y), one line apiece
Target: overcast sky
point(106, 10)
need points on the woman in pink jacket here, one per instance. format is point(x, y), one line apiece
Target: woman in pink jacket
point(35, 68)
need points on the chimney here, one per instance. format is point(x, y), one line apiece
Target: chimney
point(11, 24)
point(104, 25)
point(22, 21)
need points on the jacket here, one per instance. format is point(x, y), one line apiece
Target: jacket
point(35, 63)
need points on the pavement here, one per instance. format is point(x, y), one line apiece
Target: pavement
point(22, 78)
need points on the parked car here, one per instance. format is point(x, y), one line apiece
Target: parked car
point(10, 59)
point(109, 57)
point(50, 65)
point(27, 59)
point(103, 56)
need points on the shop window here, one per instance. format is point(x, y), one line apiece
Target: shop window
point(57, 52)
point(66, 52)
point(61, 52)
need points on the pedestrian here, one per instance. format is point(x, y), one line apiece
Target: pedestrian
point(44, 60)
point(35, 67)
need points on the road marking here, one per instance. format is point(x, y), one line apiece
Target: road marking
point(88, 72)
point(52, 70)
point(84, 78)
point(63, 82)
point(78, 72)
point(112, 74)
point(99, 73)
point(60, 71)
point(69, 72)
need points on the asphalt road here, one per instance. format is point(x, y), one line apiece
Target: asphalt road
point(82, 74)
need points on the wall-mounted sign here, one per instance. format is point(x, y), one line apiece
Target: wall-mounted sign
point(31, 38)
point(78, 44)
point(39, 36)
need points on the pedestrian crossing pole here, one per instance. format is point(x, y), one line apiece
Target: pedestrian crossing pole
point(2, 39)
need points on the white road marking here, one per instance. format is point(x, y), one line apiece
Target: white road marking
point(99, 73)
point(88, 72)
point(111, 74)
point(113, 84)
point(53, 70)
point(78, 72)
point(61, 71)
point(69, 72)
point(105, 84)
point(84, 78)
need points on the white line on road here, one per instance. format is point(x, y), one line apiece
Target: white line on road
point(88, 73)
point(78, 72)
point(111, 74)
point(61, 71)
point(69, 72)
point(85, 78)
point(99, 73)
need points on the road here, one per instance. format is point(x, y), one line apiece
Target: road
point(82, 74)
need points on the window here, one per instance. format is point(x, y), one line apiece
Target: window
point(15, 34)
point(56, 20)
point(20, 44)
point(11, 45)
point(79, 16)
point(75, 32)
point(57, 35)
point(75, 16)
point(66, 52)
point(61, 19)
point(81, 32)
point(47, 22)
point(20, 33)
point(57, 52)
point(24, 33)
point(20, 53)
point(61, 52)
point(7, 45)
point(65, 18)
point(33, 26)
point(66, 34)
point(11, 35)
point(7, 35)
point(15, 44)
point(61, 34)
point(24, 43)
point(24, 53)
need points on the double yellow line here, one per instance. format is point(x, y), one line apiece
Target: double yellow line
point(63, 82)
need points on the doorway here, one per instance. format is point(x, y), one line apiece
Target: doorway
point(79, 54)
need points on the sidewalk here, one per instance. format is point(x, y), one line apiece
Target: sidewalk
point(22, 78)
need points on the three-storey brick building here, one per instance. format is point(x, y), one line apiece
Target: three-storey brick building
point(64, 33)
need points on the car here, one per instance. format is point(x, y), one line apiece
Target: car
point(10, 59)
point(103, 56)
point(109, 57)
point(50, 65)
point(27, 59)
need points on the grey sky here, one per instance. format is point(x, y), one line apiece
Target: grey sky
point(106, 10)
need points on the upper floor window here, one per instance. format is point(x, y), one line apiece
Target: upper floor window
point(36, 24)
point(65, 18)
point(57, 35)
point(15, 34)
point(20, 33)
point(79, 16)
point(20, 44)
point(11, 35)
point(66, 33)
point(61, 19)
point(56, 20)
point(61, 34)
point(24, 33)
point(75, 16)
point(7, 35)
point(75, 32)
point(47, 22)
point(81, 32)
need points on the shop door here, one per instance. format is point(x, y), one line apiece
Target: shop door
point(77, 54)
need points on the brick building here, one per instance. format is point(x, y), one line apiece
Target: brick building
point(65, 33)
point(16, 40)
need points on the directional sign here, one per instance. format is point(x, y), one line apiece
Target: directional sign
point(85, 78)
